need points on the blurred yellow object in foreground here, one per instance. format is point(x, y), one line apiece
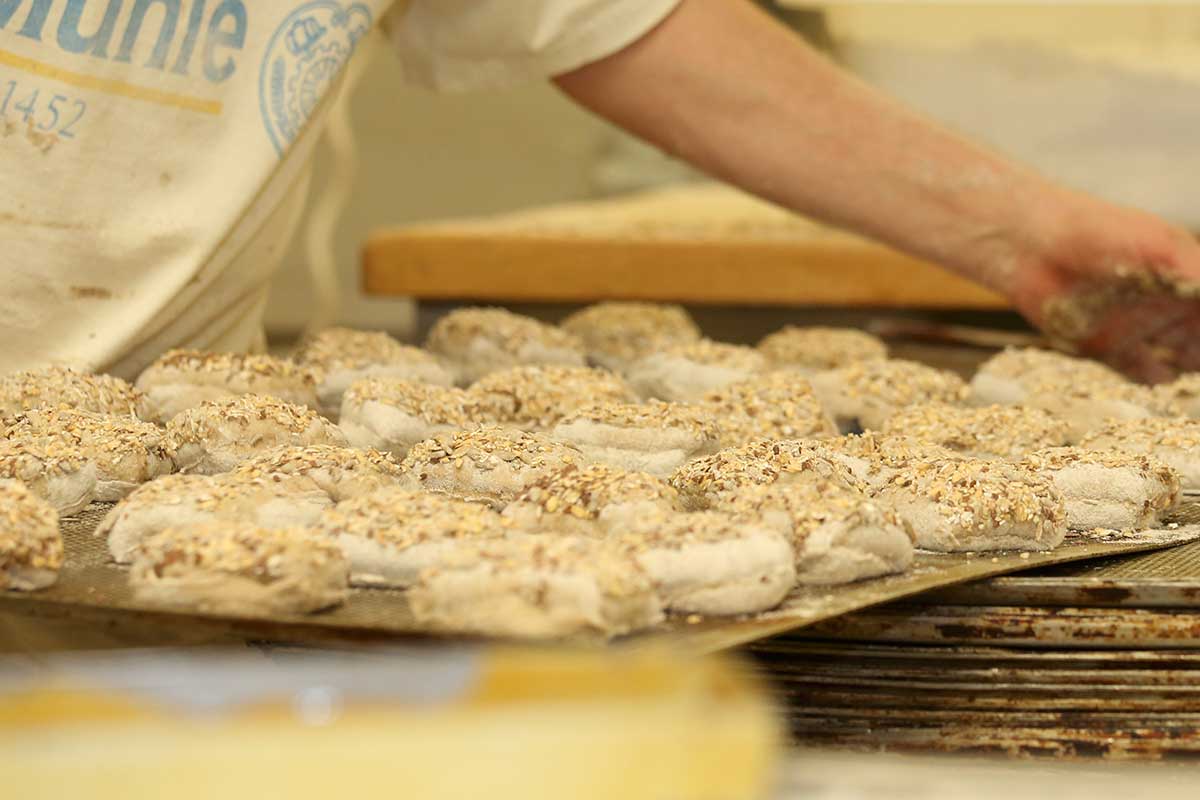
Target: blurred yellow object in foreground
point(447, 723)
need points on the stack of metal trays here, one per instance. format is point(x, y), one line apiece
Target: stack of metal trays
point(1093, 660)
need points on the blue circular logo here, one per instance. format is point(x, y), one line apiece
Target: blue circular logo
point(303, 58)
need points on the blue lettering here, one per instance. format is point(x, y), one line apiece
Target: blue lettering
point(184, 60)
point(158, 58)
point(72, 41)
point(234, 39)
point(34, 23)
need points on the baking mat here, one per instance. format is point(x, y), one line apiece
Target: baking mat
point(94, 590)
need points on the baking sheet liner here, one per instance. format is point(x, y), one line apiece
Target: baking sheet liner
point(93, 589)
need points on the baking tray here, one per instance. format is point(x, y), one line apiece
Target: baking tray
point(1113, 704)
point(92, 590)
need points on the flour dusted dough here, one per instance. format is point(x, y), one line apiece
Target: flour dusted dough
point(869, 392)
point(54, 470)
point(392, 415)
point(53, 387)
point(1173, 441)
point(981, 432)
point(536, 398)
point(809, 350)
point(972, 505)
point(125, 451)
point(1183, 393)
point(708, 562)
point(838, 535)
point(340, 472)
point(705, 481)
point(686, 372)
point(616, 334)
point(31, 548)
point(239, 569)
point(276, 501)
point(477, 341)
point(590, 499)
point(1005, 378)
point(777, 405)
point(390, 536)
point(1087, 406)
point(217, 435)
point(875, 457)
point(1112, 490)
point(183, 379)
point(653, 437)
point(490, 463)
point(536, 586)
point(342, 356)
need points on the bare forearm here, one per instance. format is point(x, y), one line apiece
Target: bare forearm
point(723, 86)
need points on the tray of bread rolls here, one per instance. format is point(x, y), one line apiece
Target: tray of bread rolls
point(615, 476)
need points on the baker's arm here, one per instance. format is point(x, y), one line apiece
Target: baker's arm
point(723, 86)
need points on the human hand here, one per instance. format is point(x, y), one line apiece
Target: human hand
point(1115, 284)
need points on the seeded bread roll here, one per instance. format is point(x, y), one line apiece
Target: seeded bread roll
point(616, 334)
point(653, 437)
point(590, 500)
point(239, 569)
point(343, 356)
point(489, 464)
point(536, 587)
point(125, 451)
point(53, 387)
point(982, 432)
point(392, 415)
point(276, 501)
point(478, 341)
point(705, 481)
point(183, 379)
point(686, 372)
point(53, 470)
point(31, 548)
point(973, 505)
point(868, 393)
point(340, 472)
point(1119, 491)
point(809, 350)
point(874, 457)
point(536, 398)
point(777, 405)
point(1183, 393)
point(1004, 378)
point(838, 535)
point(393, 534)
point(1087, 406)
point(1173, 441)
point(218, 435)
point(711, 563)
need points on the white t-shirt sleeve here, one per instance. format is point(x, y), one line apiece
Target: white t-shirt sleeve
point(454, 45)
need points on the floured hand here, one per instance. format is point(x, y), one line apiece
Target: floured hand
point(1118, 285)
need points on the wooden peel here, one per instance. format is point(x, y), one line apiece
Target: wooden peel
point(702, 244)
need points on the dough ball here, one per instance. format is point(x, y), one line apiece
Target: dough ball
point(809, 350)
point(343, 356)
point(183, 379)
point(478, 341)
point(653, 437)
point(239, 569)
point(31, 548)
point(616, 334)
point(218, 435)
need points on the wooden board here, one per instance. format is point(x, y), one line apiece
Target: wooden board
point(705, 244)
